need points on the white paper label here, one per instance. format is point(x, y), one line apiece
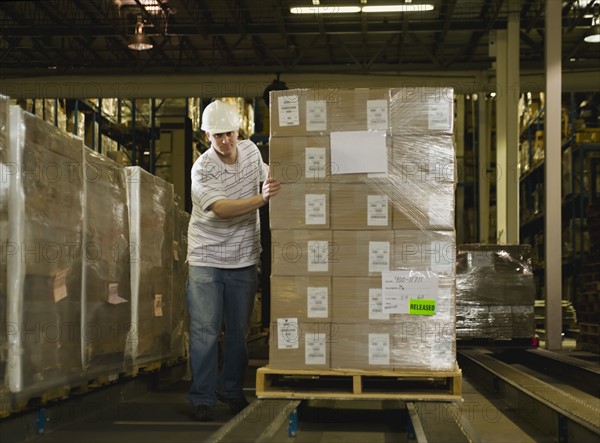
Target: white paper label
point(379, 256)
point(376, 305)
point(113, 294)
point(379, 349)
point(522, 310)
point(60, 285)
point(289, 114)
point(315, 163)
point(158, 312)
point(318, 256)
point(482, 259)
point(377, 115)
point(439, 115)
point(377, 210)
point(288, 333)
point(317, 302)
point(442, 257)
point(316, 115)
point(315, 349)
point(356, 152)
point(399, 287)
point(500, 310)
point(315, 210)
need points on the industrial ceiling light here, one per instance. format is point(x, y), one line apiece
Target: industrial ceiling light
point(140, 42)
point(408, 6)
point(405, 7)
point(324, 9)
point(593, 36)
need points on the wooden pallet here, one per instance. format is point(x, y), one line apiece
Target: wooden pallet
point(356, 384)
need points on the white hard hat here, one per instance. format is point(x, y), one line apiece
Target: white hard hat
point(219, 117)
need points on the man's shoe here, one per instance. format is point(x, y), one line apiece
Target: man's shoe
point(235, 404)
point(203, 413)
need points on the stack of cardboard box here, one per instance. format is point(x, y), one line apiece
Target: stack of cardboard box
point(495, 292)
point(363, 230)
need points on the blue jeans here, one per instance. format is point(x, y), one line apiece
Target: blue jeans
point(214, 296)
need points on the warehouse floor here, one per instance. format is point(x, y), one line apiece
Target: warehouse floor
point(162, 414)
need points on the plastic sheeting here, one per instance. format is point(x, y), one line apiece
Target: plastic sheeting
point(495, 291)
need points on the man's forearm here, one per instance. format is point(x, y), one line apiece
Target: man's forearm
point(233, 208)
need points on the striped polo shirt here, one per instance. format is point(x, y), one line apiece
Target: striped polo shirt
point(225, 242)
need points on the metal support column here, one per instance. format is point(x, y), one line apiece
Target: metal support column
point(513, 91)
point(483, 178)
point(552, 174)
point(501, 137)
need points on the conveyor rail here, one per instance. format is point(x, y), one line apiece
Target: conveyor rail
point(571, 418)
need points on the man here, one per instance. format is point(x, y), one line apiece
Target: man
point(224, 248)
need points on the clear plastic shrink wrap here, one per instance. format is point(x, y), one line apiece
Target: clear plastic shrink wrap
point(106, 293)
point(386, 157)
point(495, 291)
point(4, 184)
point(151, 227)
point(43, 256)
point(179, 316)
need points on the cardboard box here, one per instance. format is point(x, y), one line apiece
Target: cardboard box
point(300, 206)
point(361, 206)
point(309, 299)
point(362, 253)
point(424, 206)
point(301, 252)
point(363, 346)
point(358, 300)
point(320, 111)
point(426, 250)
point(361, 109)
point(297, 112)
point(296, 345)
point(421, 110)
point(300, 159)
point(423, 344)
point(425, 158)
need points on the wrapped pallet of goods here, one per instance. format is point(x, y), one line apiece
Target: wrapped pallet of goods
point(495, 292)
point(366, 233)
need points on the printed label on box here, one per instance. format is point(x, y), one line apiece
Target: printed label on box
point(315, 163)
point(60, 285)
point(317, 300)
point(113, 294)
point(377, 210)
point(316, 115)
point(525, 310)
point(442, 257)
point(439, 115)
point(158, 312)
point(482, 259)
point(421, 307)
point(377, 115)
point(288, 333)
point(500, 310)
point(315, 210)
point(315, 349)
point(399, 287)
point(379, 256)
point(318, 256)
point(376, 305)
point(289, 114)
point(379, 349)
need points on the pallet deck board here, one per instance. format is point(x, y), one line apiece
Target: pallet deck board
point(357, 384)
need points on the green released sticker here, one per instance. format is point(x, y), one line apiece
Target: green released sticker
point(421, 307)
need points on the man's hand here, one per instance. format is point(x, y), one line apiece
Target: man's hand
point(270, 188)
